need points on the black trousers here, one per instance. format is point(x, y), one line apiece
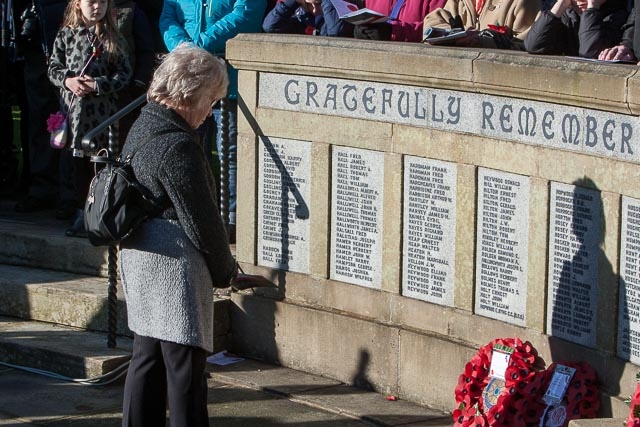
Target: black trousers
point(162, 371)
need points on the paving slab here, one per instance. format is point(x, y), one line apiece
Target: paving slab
point(372, 407)
point(29, 400)
point(276, 379)
point(328, 394)
point(233, 406)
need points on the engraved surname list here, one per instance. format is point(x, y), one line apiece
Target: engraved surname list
point(503, 245)
point(356, 216)
point(283, 204)
point(574, 238)
point(429, 225)
point(629, 306)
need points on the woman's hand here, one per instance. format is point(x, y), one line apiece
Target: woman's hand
point(81, 86)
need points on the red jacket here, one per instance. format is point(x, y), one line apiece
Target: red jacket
point(408, 26)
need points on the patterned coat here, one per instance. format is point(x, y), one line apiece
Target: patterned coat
point(71, 51)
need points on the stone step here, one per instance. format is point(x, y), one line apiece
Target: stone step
point(67, 351)
point(58, 297)
point(79, 301)
point(37, 240)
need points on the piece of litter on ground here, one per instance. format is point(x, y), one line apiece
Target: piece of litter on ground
point(391, 398)
point(223, 358)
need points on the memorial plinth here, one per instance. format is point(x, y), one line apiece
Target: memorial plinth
point(413, 203)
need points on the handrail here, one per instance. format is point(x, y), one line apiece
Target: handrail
point(112, 268)
point(87, 141)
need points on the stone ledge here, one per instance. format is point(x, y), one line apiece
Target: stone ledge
point(611, 87)
point(598, 422)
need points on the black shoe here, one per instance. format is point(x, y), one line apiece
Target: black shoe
point(32, 204)
point(66, 211)
point(77, 228)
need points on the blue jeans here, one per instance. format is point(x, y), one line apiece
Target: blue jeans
point(209, 130)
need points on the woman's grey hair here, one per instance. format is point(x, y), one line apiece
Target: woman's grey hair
point(187, 73)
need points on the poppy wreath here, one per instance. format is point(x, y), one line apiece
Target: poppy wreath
point(633, 420)
point(470, 408)
point(581, 400)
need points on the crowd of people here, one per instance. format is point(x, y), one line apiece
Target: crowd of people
point(89, 58)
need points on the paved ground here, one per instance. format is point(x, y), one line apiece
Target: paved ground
point(247, 394)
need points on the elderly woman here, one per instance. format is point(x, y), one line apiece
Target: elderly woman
point(171, 263)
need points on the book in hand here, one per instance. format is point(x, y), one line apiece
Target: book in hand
point(434, 35)
point(349, 12)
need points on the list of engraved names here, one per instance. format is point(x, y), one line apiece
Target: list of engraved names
point(574, 236)
point(283, 204)
point(356, 216)
point(429, 225)
point(629, 306)
point(503, 244)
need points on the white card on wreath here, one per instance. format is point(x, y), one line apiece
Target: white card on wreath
point(500, 357)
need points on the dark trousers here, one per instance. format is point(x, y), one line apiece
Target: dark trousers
point(161, 371)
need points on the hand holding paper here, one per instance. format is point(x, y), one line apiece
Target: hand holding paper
point(349, 12)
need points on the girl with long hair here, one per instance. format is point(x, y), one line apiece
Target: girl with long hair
point(89, 64)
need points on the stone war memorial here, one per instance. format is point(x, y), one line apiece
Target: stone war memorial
point(413, 203)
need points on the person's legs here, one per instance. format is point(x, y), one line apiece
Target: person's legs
point(187, 385)
point(145, 389)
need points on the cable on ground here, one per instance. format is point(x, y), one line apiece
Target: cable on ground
point(104, 379)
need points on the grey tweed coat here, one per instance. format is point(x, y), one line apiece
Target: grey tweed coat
point(170, 263)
